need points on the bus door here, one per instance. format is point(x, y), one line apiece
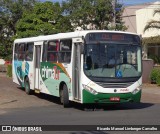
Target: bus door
point(37, 58)
point(77, 68)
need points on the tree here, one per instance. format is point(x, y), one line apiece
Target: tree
point(44, 19)
point(153, 24)
point(120, 25)
point(92, 14)
point(10, 12)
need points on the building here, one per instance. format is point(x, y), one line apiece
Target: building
point(136, 17)
point(129, 17)
point(150, 37)
point(143, 16)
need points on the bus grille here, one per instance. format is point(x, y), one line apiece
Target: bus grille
point(114, 85)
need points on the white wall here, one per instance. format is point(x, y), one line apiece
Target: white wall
point(145, 15)
point(2, 62)
point(129, 17)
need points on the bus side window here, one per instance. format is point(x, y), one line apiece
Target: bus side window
point(52, 51)
point(29, 52)
point(21, 51)
point(16, 48)
point(65, 51)
point(44, 55)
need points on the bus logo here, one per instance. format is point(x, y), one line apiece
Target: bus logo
point(50, 73)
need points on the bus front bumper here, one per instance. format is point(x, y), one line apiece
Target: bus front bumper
point(107, 97)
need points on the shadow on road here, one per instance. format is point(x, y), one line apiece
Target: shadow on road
point(109, 107)
point(49, 98)
point(44, 96)
point(93, 107)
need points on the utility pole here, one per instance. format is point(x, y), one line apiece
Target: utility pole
point(114, 12)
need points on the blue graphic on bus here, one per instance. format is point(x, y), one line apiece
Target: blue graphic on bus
point(27, 68)
point(21, 70)
point(119, 74)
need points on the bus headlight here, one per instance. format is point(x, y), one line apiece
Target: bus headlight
point(137, 90)
point(91, 90)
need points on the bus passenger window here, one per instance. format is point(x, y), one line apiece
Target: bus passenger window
point(52, 57)
point(29, 52)
point(65, 51)
point(16, 48)
point(52, 51)
point(21, 52)
point(44, 55)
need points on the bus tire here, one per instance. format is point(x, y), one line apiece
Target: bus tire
point(27, 86)
point(64, 96)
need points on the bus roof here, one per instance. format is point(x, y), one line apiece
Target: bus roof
point(65, 35)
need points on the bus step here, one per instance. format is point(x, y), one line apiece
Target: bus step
point(76, 100)
point(37, 91)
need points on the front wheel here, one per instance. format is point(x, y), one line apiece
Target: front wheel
point(64, 97)
point(27, 86)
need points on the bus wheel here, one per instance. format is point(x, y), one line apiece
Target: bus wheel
point(64, 97)
point(27, 86)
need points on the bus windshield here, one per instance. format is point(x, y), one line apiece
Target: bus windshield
point(112, 59)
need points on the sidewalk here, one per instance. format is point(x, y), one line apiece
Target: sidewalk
point(151, 88)
point(3, 74)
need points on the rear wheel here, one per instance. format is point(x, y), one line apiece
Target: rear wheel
point(64, 97)
point(27, 86)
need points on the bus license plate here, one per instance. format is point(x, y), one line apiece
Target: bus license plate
point(115, 99)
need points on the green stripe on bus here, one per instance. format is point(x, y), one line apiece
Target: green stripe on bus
point(105, 97)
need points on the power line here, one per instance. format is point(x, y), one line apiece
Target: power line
point(130, 21)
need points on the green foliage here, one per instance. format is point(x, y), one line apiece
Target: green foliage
point(153, 24)
point(26, 18)
point(155, 76)
point(155, 58)
point(158, 80)
point(10, 12)
point(9, 70)
point(44, 19)
point(5, 48)
point(96, 13)
point(151, 40)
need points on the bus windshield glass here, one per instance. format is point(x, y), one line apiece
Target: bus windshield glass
point(112, 58)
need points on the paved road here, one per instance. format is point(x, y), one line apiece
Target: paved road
point(17, 108)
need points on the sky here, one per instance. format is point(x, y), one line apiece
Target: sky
point(134, 2)
point(125, 2)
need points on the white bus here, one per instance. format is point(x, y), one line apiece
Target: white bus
point(88, 67)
